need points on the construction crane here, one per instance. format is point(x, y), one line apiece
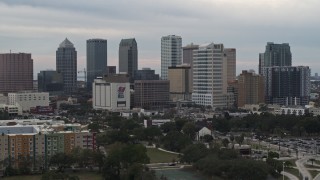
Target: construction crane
point(85, 72)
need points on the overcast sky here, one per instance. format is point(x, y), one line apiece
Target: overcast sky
point(39, 26)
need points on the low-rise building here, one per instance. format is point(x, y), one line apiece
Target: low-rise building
point(27, 100)
point(12, 110)
point(298, 110)
point(37, 144)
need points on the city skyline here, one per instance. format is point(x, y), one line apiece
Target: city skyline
point(37, 26)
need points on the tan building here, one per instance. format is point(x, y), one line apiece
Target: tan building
point(180, 82)
point(230, 55)
point(250, 88)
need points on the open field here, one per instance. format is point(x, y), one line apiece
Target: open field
point(157, 156)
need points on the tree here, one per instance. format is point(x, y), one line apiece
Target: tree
point(207, 138)
point(168, 126)
point(273, 155)
point(61, 160)
point(194, 152)
point(225, 142)
point(124, 157)
point(312, 160)
point(239, 139)
point(180, 123)
point(175, 141)
point(94, 127)
point(189, 129)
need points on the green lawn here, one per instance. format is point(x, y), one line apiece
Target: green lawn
point(314, 173)
point(81, 175)
point(157, 156)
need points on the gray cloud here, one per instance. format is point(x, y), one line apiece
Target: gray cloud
point(38, 26)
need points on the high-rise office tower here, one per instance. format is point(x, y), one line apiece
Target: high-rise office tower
point(275, 55)
point(171, 53)
point(188, 59)
point(146, 74)
point(210, 76)
point(66, 63)
point(230, 57)
point(16, 72)
point(250, 89)
point(96, 60)
point(128, 57)
point(287, 85)
point(188, 53)
point(50, 81)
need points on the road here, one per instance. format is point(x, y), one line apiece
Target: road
point(300, 165)
point(290, 176)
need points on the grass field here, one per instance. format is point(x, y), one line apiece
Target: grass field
point(157, 156)
point(81, 175)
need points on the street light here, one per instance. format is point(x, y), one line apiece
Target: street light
point(283, 170)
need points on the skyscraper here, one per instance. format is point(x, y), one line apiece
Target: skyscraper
point(96, 60)
point(188, 59)
point(210, 76)
point(230, 57)
point(171, 53)
point(66, 63)
point(180, 82)
point(287, 85)
point(50, 81)
point(275, 55)
point(128, 57)
point(250, 88)
point(16, 72)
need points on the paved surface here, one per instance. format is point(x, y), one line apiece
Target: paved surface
point(290, 176)
point(300, 165)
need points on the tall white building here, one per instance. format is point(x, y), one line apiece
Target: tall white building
point(171, 53)
point(27, 100)
point(213, 67)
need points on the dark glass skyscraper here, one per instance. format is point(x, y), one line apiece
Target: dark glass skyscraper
point(275, 55)
point(66, 63)
point(287, 85)
point(50, 81)
point(96, 60)
point(128, 56)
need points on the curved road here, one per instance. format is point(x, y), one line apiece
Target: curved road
point(300, 165)
point(290, 176)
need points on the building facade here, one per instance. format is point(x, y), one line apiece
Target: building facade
point(275, 55)
point(128, 57)
point(50, 81)
point(97, 56)
point(111, 70)
point(146, 74)
point(287, 85)
point(36, 147)
point(230, 56)
point(111, 93)
point(171, 53)
point(210, 76)
point(66, 63)
point(180, 83)
point(16, 72)
point(27, 100)
point(188, 58)
point(151, 94)
point(250, 88)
